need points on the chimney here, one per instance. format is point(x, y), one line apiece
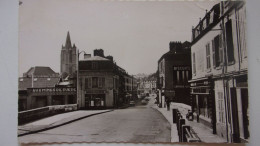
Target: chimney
point(110, 58)
point(86, 56)
point(99, 52)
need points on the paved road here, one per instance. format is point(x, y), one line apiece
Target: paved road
point(135, 124)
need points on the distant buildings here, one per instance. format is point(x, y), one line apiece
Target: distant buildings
point(219, 79)
point(174, 71)
point(147, 86)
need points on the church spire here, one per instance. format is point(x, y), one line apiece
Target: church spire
point(68, 42)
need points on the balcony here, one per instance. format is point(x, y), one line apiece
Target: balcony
point(210, 20)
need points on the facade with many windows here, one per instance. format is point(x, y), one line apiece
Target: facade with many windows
point(174, 71)
point(219, 78)
point(103, 84)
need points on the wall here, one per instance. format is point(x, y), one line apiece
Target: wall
point(220, 123)
point(34, 114)
point(199, 48)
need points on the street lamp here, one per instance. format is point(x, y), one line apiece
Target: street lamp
point(78, 100)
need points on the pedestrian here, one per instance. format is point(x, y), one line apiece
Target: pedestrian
point(168, 104)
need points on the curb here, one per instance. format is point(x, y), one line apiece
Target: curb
point(173, 140)
point(65, 123)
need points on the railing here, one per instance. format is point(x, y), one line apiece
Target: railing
point(38, 113)
point(185, 132)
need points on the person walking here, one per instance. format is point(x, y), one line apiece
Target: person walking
point(168, 103)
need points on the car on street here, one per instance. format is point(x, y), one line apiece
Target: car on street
point(146, 98)
point(143, 102)
point(132, 103)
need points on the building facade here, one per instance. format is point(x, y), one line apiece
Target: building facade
point(174, 71)
point(103, 84)
point(219, 78)
point(147, 86)
point(38, 88)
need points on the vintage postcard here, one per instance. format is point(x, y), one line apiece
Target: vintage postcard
point(132, 71)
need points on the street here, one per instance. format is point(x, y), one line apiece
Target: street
point(140, 123)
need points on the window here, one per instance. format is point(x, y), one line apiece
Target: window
point(87, 83)
point(187, 75)
point(101, 82)
point(178, 76)
point(216, 44)
point(208, 56)
point(241, 21)
point(183, 76)
point(194, 63)
point(220, 107)
point(221, 50)
point(230, 45)
point(217, 51)
point(94, 65)
point(94, 82)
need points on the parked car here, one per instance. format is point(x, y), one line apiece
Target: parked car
point(132, 103)
point(144, 102)
point(146, 98)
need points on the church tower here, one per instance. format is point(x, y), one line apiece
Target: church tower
point(68, 59)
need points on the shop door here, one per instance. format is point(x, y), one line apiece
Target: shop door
point(87, 101)
point(244, 99)
point(235, 124)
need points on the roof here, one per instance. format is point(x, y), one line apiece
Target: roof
point(96, 58)
point(38, 71)
point(41, 82)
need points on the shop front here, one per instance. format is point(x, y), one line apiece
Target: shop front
point(41, 97)
point(203, 102)
point(95, 101)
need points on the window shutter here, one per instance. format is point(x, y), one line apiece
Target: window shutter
point(89, 82)
point(213, 54)
point(99, 82)
point(86, 83)
point(103, 82)
point(216, 42)
point(230, 45)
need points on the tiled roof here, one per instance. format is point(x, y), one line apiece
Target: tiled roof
point(41, 82)
point(40, 71)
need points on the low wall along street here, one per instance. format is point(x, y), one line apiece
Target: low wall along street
point(38, 113)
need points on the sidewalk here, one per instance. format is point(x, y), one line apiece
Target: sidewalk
point(56, 121)
point(168, 116)
point(204, 133)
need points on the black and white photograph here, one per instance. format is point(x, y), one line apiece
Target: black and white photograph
point(114, 71)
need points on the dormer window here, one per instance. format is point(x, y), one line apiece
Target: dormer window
point(21, 80)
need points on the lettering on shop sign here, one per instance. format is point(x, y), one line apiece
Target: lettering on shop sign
point(181, 86)
point(40, 90)
point(181, 68)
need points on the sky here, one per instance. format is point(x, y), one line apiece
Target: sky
point(135, 33)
